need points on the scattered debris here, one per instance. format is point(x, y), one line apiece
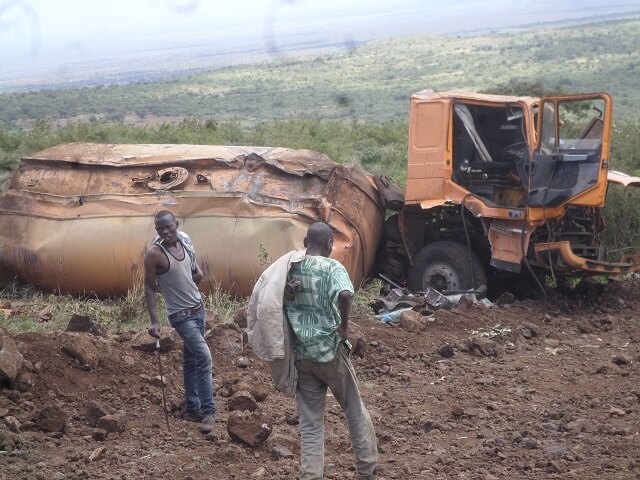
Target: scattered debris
point(84, 324)
point(248, 428)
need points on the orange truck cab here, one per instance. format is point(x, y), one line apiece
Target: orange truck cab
point(495, 183)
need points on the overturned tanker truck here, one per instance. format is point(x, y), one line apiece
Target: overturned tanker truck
point(78, 217)
point(494, 184)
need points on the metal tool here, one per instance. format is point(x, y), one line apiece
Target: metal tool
point(164, 399)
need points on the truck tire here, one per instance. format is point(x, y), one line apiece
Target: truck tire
point(445, 266)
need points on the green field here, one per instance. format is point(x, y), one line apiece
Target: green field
point(370, 83)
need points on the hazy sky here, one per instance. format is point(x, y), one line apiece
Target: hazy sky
point(34, 30)
point(36, 33)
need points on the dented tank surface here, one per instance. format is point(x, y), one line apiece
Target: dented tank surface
point(78, 217)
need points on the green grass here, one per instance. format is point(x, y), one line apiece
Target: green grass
point(371, 83)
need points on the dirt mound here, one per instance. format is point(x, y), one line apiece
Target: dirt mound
point(518, 391)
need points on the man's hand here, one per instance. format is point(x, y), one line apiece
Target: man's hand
point(343, 330)
point(290, 290)
point(154, 331)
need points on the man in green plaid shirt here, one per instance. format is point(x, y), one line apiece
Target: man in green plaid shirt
point(318, 295)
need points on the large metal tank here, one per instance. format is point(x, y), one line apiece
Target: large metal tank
point(79, 217)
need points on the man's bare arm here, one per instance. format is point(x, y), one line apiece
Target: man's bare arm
point(344, 305)
point(197, 274)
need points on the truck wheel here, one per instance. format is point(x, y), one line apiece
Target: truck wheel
point(445, 266)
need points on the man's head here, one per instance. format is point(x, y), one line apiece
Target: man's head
point(319, 239)
point(166, 226)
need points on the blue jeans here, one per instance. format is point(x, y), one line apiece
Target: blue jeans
point(197, 368)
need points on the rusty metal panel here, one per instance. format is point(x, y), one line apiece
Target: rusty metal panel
point(78, 217)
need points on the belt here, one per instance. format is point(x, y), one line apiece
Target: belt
point(187, 312)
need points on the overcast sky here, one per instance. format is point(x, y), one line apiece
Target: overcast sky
point(38, 32)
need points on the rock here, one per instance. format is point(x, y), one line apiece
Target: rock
point(242, 400)
point(3, 412)
point(240, 317)
point(129, 361)
point(51, 419)
point(7, 440)
point(260, 472)
point(259, 391)
point(507, 298)
point(621, 359)
point(529, 442)
point(445, 350)
point(616, 412)
point(430, 425)
point(584, 327)
point(80, 347)
point(479, 346)
point(409, 321)
point(156, 381)
point(279, 452)
point(113, 423)
point(602, 370)
point(457, 412)
point(24, 381)
point(555, 451)
point(81, 323)
point(248, 428)
point(359, 346)
point(99, 434)
point(12, 424)
point(242, 362)
point(11, 359)
point(96, 454)
point(228, 337)
point(144, 342)
point(95, 410)
point(58, 476)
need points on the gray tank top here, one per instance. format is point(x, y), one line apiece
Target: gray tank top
point(177, 286)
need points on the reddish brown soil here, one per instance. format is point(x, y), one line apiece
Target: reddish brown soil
point(556, 405)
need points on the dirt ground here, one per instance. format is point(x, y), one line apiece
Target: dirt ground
point(541, 392)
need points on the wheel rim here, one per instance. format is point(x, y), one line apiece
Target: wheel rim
point(441, 276)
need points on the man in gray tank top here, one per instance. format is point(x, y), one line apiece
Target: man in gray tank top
point(169, 266)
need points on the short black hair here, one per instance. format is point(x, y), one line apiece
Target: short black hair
point(319, 233)
point(164, 213)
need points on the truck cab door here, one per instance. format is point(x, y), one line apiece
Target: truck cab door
point(572, 151)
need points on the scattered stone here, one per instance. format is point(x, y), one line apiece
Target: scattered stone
point(156, 381)
point(240, 317)
point(259, 391)
point(13, 424)
point(412, 321)
point(228, 337)
point(616, 412)
point(242, 400)
point(80, 347)
point(280, 452)
point(113, 423)
point(96, 410)
point(11, 359)
point(7, 440)
point(260, 472)
point(374, 343)
point(3, 412)
point(58, 476)
point(242, 362)
point(621, 359)
point(51, 419)
point(480, 346)
point(145, 343)
point(507, 298)
point(430, 425)
point(81, 323)
point(457, 412)
point(99, 434)
point(445, 350)
point(602, 370)
point(129, 361)
point(248, 428)
point(97, 454)
point(555, 451)
point(584, 327)
point(485, 380)
point(24, 381)
point(529, 442)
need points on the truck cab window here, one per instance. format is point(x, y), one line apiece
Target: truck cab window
point(488, 143)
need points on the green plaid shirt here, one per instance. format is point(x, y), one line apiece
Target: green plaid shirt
point(314, 314)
